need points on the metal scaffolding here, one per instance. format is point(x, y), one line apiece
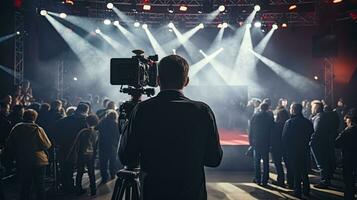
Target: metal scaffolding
point(329, 80)
point(60, 83)
point(19, 49)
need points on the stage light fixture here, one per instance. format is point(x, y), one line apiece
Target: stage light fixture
point(110, 5)
point(220, 25)
point(75, 78)
point(18, 33)
point(144, 26)
point(116, 23)
point(257, 8)
point(284, 25)
point(97, 30)
point(275, 26)
point(292, 7)
point(63, 15)
point(224, 25)
point(146, 7)
point(201, 26)
point(221, 8)
point(107, 22)
point(170, 9)
point(183, 8)
point(336, 1)
point(200, 51)
point(249, 25)
point(316, 78)
point(171, 25)
point(199, 11)
point(136, 24)
point(257, 24)
point(43, 12)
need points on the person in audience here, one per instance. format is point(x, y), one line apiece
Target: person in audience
point(296, 136)
point(347, 141)
point(28, 143)
point(43, 116)
point(108, 144)
point(5, 124)
point(16, 115)
point(68, 128)
point(277, 146)
point(86, 146)
point(259, 138)
point(321, 144)
point(101, 112)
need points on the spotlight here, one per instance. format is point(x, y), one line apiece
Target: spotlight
point(316, 78)
point(199, 11)
point(97, 30)
point(257, 8)
point(171, 25)
point(183, 8)
point(292, 7)
point(284, 25)
point(258, 24)
point(144, 26)
point(107, 22)
point(170, 9)
point(136, 24)
point(220, 25)
point(116, 23)
point(275, 26)
point(201, 26)
point(63, 15)
point(110, 5)
point(146, 7)
point(18, 33)
point(75, 78)
point(200, 51)
point(221, 8)
point(224, 25)
point(43, 12)
point(249, 25)
point(336, 1)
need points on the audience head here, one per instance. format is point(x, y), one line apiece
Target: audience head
point(340, 102)
point(45, 107)
point(56, 105)
point(257, 103)
point(35, 106)
point(82, 109)
point(351, 118)
point(92, 120)
point(5, 108)
point(296, 109)
point(30, 115)
point(105, 103)
point(111, 105)
point(7, 99)
point(18, 110)
point(173, 72)
point(316, 107)
point(70, 110)
point(113, 115)
point(264, 107)
point(267, 101)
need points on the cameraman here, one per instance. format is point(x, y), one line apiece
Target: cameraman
point(172, 137)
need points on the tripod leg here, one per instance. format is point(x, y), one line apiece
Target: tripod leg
point(117, 189)
point(128, 192)
point(135, 192)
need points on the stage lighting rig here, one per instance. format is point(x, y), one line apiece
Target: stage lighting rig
point(257, 24)
point(144, 26)
point(257, 8)
point(183, 8)
point(224, 25)
point(97, 30)
point(43, 12)
point(107, 22)
point(275, 26)
point(221, 8)
point(110, 5)
point(201, 26)
point(116, 23)
point(146, 7)
point(171, 25)
point(136, 24)
point(63, 15)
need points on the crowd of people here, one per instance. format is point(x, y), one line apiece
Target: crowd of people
point(32, 133)
point(302, 135)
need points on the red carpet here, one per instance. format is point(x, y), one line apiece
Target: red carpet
point(233, 137)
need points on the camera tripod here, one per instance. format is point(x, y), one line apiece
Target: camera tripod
point(127, 185)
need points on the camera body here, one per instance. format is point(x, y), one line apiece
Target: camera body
point(136, 72)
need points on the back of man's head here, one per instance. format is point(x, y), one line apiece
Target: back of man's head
point(296, 109)
point(173, 72)
point(82, 108)
point(264, 107)
point(30, 115)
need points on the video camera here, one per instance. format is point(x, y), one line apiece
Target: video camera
point(136, 72)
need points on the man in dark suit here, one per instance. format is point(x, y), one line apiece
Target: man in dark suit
point(296, 136)
point(259, 138)
point(173, 137)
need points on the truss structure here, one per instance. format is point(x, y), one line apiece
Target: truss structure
point(19, 49)
point(329, 80)
point(60, 83)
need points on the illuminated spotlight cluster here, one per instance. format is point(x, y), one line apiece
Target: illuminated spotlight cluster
point(221, 8)
point(257, 8)
point(144, 26)
point(183, 8)
point(136, 24)
point(171, 25)
point(110, 5)
point(97, 30)
point(63, 15)
point(222, 25)
point(201, 26)
point(257, 24)
point(107, 22)
point(292, 7)
point(43, 12)
point(116, 23)
point(146, 7)
point(275, 26)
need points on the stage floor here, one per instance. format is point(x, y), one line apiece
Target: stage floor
point(233, 137)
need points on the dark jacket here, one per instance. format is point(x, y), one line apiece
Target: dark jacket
point(296, 136)
point(68, 128)
point(174, 138)
point(5, 128)
point(28, 143)
point(347, 141)
point(261, 126)
point(108, 135)
point(86, 142)
point(322, 129)
point(276, 137)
